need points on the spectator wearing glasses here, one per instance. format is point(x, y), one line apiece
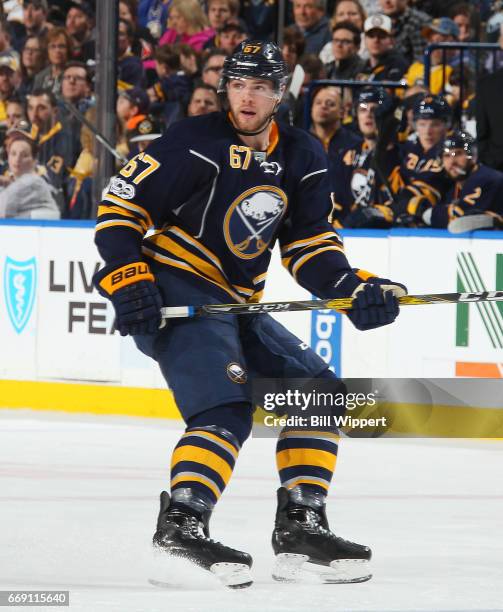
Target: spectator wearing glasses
point(33, 61)
point(384, 63)
point(59, 52)
point(311, 20)
point(212, 68)
point(346, 41)
point(346, 10)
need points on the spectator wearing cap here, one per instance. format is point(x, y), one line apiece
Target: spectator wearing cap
point(311, 20)
point(230, 36)
point(384, 63)
point(24, 194)
point(144, 133)
point(79, 25)
point(33, 61)
point(187, 24)
point(204, 100)
point(346, 10)
point(34, 19)
point(407, 25)
point(130, 68)
point(59, 53)
point(9, 79)
point(439, 30)
point(132, 108)
point(53, 140)
point(346, 41)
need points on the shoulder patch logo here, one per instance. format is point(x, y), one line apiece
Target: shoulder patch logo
point(252, 219)
point(120, 188)
point(271, 167)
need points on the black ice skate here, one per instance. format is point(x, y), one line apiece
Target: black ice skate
point(186, 536)
point(303, 542)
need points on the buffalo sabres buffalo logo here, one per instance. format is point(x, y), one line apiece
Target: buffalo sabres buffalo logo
point(20, 282)
point(361, 186)
point(236, 373)
point(252, 219)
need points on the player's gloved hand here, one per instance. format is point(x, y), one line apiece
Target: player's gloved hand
point(376, 299)
point(135, 297)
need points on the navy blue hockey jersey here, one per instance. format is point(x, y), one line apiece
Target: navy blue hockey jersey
point(481, 192)
point(218, 207)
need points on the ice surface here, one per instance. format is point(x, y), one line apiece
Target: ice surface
point(79, 499)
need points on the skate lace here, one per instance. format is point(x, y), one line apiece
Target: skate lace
point(312, 521)
point(193, 527)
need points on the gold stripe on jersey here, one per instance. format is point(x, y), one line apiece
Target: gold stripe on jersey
point(115, 223)
point(310, 241)
point(108, 197)
point(182, 265)
point(428, 191)
point(177, 231)
point(305, 258)
point(259, 279)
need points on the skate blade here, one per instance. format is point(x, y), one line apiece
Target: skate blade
point(291, 567)
point(232, 575)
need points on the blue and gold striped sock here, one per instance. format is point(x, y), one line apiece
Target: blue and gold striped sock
point(307, 458)
point(202, 464)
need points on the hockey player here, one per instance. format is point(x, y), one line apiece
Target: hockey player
point(421, 168)
point(363, 183)
point(474, 200)
point(220, 190)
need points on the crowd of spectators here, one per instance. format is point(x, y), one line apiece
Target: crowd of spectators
point(395, 154)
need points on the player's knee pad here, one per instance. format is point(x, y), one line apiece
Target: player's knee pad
point(234, 420)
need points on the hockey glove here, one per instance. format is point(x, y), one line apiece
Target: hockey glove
point(375, 303)
point(134, 295)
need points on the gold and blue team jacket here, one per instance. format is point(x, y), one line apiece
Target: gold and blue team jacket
point(217, 208)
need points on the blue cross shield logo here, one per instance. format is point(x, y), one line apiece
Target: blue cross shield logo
point(20, 282)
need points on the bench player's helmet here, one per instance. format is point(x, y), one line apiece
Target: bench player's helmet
point(433, 107)
point(460, 140)
point(255, 59)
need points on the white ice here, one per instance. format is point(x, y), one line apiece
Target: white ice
point(79, 498)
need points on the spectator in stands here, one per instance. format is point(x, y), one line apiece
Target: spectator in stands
point(221, 12)
point(293, 46)
point(132, 104)
point(54, 142)
point(76, 88)
point(187, 24)
point(24, 194)
point(346, 10)
point(412, 96)
point(143, 42)
point(16, 115)
point(130, 67)
point(313, 68)
point(153, 14)
point(346, 41)
point(490, 119)
point(311, 20)
point(384, 63)
point(35, 18)
point(474, 199)
point(230, 36)
point(465, 17)
point(439, 30)
point(59, 52)
point(33, 61)
point(212, 68)
point(79, 25)
point(9, 78)
point(204, 100)
point(407, 24)
point(7, 52)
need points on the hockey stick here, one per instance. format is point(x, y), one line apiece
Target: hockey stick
point(471, 223)
point(171, 312)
